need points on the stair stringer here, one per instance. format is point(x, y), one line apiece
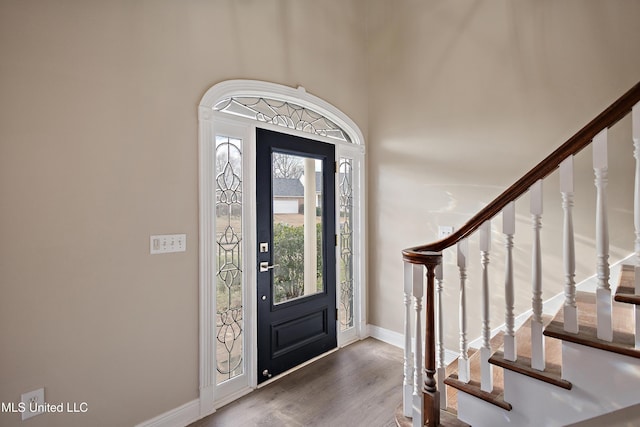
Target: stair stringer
point(603, 382)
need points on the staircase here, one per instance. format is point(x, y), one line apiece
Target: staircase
point(576, 364)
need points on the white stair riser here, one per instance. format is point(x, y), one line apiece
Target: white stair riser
point(537, 403)
point(478, 413)
point(606, 381)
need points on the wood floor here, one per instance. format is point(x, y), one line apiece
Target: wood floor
point(359, 385)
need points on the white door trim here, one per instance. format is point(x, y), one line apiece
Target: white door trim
point(209, 120)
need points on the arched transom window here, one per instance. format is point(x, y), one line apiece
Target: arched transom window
point(282, 113)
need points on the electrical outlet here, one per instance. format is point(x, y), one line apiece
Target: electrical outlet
point(444, 231)
point(33, 402)
point(168, 243)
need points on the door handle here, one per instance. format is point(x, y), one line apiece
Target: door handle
point(264, 266)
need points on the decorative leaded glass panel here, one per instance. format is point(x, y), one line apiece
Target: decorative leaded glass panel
point(346, 243)
point(282, 113)
point(229, 277)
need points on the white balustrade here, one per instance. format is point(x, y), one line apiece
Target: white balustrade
point(440, 336)
point(414, 390)
point(509, 229)
point(568, 245)
point(463, 359)
point(407, 395)
point(603, 291)
point(486, 369)
point(418, 366)
point(537, 339)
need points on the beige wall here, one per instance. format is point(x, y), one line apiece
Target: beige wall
point(98, 150)
point(466, 96)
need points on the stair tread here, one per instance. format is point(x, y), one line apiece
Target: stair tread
point(552, 373)
point(627, 295)
point(626, 291)
point(553, 356)
point(552, 348)
point(623, 337)
point(495, 397)
point(474, 368)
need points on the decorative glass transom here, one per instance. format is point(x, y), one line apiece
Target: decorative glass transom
point(282, 113)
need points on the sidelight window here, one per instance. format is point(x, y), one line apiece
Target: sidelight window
point(229, 277)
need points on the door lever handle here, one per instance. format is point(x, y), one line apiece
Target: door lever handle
point(264, 266)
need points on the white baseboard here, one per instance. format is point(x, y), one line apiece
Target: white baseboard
point(177, 417)
point(390, 337)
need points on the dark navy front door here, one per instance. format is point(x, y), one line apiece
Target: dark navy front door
point(296, 250)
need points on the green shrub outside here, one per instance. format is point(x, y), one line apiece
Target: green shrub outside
point(288, 244)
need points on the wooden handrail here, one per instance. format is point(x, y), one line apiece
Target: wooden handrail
point(614, 113)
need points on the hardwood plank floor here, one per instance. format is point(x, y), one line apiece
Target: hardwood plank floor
point(359, 385)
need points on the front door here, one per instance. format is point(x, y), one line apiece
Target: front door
point(296, 250)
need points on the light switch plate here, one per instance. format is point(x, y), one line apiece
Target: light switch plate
point(167, 243)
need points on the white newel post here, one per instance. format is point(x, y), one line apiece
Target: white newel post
point(568, 245)
point(440, 336)
point(509, 229)
point(537, 339)
point(635, 131)
point(603, 291)
point(407, 395)
point(486, 369)
point(418, 367)
point(463, 359)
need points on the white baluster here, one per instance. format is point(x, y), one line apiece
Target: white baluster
point(569, 254)
point(603, 291)
point(635, 125)
point(486, 369)
point(440, 345)
point(509, 229)
point(418, 366)
point(537, 339)
point(463, 359)
point(407, 395)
